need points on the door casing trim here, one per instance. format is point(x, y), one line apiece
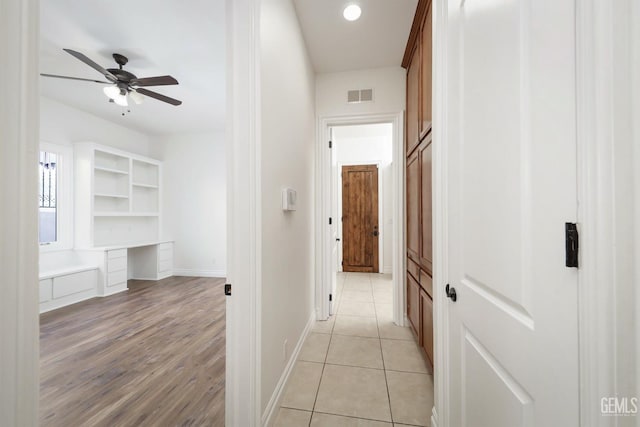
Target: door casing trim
point(244, 215)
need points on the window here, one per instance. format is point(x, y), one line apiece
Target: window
point(48, 186)
point(55, 197)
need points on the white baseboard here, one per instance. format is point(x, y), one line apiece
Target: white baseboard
point(387, 269)
point(271, 411)
point(199, 273)
point(113, 291)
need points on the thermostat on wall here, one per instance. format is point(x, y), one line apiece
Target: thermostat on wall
point(289, 197)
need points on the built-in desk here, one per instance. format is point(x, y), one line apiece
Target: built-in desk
point(143, 261)
point(68, 277)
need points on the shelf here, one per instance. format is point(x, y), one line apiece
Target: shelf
point(109, 170)
point(114, 196)
point(126, 214)
point(117, 196)
point(145, 174)
point(138, 184)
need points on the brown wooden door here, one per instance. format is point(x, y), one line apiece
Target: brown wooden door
point(360, 218)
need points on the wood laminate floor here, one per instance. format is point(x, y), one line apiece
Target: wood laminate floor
point(151, 356)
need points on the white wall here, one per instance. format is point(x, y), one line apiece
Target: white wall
point(368, 144)
point(635, 112)
point(388, 88)
point(627, 247)
point(287, 147)
point(61, 124)
point(195, 202)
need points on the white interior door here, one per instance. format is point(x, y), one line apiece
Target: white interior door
point(335, 244)
point(511, 150)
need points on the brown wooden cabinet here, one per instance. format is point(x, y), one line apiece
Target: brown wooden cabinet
point(425, 210)
point(419, 147)
point(413, 101)
point(413, 207)
point(426, 51)
point(426, 324)
point(413, 304)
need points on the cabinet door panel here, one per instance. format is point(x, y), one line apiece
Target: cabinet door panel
point(413, 269)
point(413, 101)
point(426, 231)
point(425, 74)
point(426, 282)
point(426, 305)
point(413, 304)
point(413, 207)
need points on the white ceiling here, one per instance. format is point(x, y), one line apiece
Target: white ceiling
point(183, 39)
point(377, 39)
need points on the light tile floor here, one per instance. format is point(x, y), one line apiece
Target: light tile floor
point(359, 369)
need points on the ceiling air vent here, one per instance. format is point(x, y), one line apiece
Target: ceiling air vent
point(358, 96)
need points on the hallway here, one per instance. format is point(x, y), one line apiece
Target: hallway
point(358, 368)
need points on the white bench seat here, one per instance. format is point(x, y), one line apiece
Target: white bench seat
point(65, 278)
point(63, 271)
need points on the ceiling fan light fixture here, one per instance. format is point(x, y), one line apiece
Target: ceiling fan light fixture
point(121, 100)
point(352, 12)
point(111, 91)
point(122, 83)
point(118, 95)
point(136, 97)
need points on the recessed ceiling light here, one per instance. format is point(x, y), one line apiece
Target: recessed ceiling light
point(352, 12)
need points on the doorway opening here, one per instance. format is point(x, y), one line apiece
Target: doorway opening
point(132, 190)
point(362, 197)
point(361, 186)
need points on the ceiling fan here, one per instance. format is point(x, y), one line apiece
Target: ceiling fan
point(122, 83)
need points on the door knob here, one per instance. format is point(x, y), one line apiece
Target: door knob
point(375, 232)
point(451, 293)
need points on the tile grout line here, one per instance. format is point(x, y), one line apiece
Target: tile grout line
point(325, 358)
point(323, 366)
point(384, 367)
point(363, 418)
point(325, 362)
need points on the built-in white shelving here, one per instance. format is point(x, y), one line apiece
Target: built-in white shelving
point(135, 184)
point(124, 214)
point(109, 170)
point(118, 197)
point(112, 196)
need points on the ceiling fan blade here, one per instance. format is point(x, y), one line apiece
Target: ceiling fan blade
point(158, 96)
point(154, 81)
point(92, 64)
point(74, 78)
